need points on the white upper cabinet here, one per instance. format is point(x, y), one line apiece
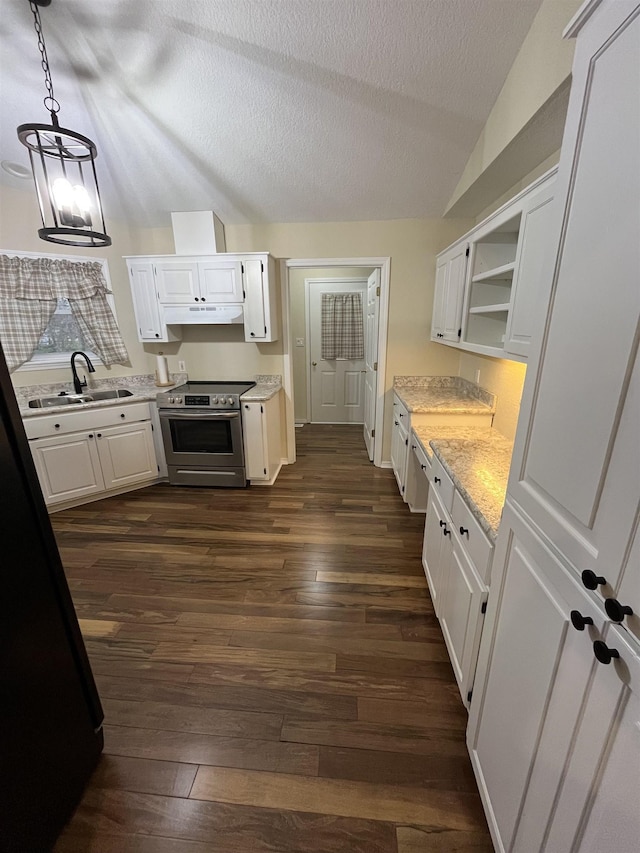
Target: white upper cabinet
point(248, 280)
point(492, 288)
point(451, 271)
point(145, 304)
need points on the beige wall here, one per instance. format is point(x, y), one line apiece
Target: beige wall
point(503, 378)
point(542, 65)
point(547, 164)
point(297, 313)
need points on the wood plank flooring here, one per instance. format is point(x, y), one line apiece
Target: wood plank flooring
point(272, 673)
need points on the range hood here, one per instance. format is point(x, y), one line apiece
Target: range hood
point(184, 315)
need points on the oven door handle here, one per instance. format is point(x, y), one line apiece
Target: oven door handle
point(172, 413)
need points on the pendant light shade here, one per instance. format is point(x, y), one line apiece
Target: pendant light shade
point(64, 172)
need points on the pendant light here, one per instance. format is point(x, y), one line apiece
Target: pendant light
point(64, 172)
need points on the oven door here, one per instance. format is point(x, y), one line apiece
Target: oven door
point(202, 438)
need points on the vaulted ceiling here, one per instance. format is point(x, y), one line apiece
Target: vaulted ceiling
point(265, 110)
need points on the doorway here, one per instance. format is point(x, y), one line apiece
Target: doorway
point(376, 270)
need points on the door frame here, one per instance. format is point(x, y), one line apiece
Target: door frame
point(308, 282)
point(384, 265)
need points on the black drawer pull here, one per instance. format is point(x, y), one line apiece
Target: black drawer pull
point(579, 621)
point(56, 426)
point(616, 611)
point(437, 480)
point(464, 530)
point(591, 580)
point(446, 531)
point(603, 653)
point(442, 523)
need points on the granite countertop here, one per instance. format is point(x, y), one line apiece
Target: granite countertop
point(143, 387)
point(479, 467)
point(443, 394)
point(266, 387)
point(434, 432)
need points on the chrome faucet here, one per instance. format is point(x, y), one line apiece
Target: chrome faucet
point(77, 384)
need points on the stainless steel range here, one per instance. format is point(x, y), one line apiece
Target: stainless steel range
point(202, 433)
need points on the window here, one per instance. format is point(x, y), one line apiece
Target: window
point(63, 335)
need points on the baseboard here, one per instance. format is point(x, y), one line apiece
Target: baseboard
point(385, 464)
point(112, 493)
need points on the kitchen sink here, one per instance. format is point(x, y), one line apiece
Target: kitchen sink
point(79, 399)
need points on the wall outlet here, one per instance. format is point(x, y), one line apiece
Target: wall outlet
point(299, 342)
point(477, 379)
point(182, 367)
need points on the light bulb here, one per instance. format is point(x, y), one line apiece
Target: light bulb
point(73, 203)
point(82, 200)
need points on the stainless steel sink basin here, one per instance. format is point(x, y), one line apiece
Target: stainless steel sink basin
point(79, 399)
point(112, 394)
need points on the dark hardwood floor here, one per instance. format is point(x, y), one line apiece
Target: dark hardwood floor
point(272, 673)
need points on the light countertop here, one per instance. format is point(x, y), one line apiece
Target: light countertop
point(443, 394)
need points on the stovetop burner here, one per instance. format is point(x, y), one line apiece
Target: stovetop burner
point(204, 395)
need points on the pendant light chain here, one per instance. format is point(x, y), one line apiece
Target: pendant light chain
point(50, 102)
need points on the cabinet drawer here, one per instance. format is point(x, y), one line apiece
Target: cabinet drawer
point(40, 427)
point(424, 463)
point(473, 539)
point(441, 481)
point(400, 412)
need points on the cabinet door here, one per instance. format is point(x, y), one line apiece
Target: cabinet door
point(221, 280)
point(399, 452)
point(456, 277)
point(532, 279)
point(435, 548)
point(68, 466)
point(598, 808)
point(126, 454)
point(177, 281)
point(145, 301)
point(440, 292)
point(255, 441)
point(461, 614)
point(255, 327)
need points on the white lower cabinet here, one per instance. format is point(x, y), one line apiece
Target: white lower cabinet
point(458, 590)
point(262, 440)
point(399, 453)
point(68, 467)
point(87, 456)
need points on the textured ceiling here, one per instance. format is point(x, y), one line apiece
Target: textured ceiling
point(266, 110)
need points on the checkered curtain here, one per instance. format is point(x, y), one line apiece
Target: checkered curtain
point(342, 326)
point(29, 293)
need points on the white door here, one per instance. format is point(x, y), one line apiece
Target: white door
point(145, 301)
point(221, 280)
point(255, 326)
point(371, 360)
point(68, 466)
point(126, 454)
point(452, 309)
point(178, 281)
point(337, 385)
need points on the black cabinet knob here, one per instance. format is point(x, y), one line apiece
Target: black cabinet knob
point(56, 426)
point(253, 334)
point(90, 435)
point(157, 335)
point(603, 653)
point(464, 530)
point(437, 480)
point(442, 523)
point(401, 415)
point(413, 447)
point(591, 580)
point(396, 423)
point(424, 467)
point(446, 531)
point(579, 621)
point(616, 611)
point(203, 299)
point(99, 435)
point(196, 298)
point(122, 416)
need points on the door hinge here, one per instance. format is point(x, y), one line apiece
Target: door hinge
point(469, 695)
point(406, 441)
point(459, 333)
point(152, 428)
point(403, 490)
point(377, 291)
point(483, 609)
point(375, 365)
point(261, 267)
point(265, 471)
point(244, 295)
point(467, 252)
point(373, 433)
point(261, 409)
point(265, 330)
point(158, 467)
point(242, 268)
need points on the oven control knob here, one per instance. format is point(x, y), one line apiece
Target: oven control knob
point(230, 401)
point(170, 399)
point(178, 399)
point(214, 400)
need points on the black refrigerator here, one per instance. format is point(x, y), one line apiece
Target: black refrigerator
point(50, 712)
